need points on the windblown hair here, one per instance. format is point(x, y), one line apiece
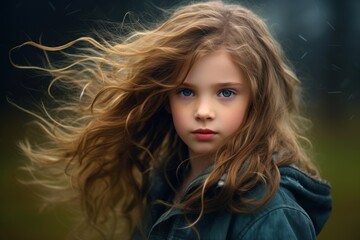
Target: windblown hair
point(113, 128)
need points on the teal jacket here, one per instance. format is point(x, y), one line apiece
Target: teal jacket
point(298, 210)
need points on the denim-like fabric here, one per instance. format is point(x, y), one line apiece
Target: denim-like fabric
point(299, 210)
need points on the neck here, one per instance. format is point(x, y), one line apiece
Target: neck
point(199, 164)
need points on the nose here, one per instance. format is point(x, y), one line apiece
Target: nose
point(204, 110)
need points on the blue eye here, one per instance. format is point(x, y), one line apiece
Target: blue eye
point(186, 92)
point(226, 93)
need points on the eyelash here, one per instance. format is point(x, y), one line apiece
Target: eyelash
point(181, 91)
point(190, 93)
point(232, 92)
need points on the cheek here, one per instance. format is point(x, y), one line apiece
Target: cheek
point(177, 119)
point(178, 114)
point(234, 119)
point(233, 124)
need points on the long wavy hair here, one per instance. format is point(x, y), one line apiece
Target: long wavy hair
point(112, 128)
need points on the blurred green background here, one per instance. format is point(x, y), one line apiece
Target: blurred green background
point(319, 37)
point(337, 152)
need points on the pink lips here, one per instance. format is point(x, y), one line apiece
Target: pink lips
point(204, 134)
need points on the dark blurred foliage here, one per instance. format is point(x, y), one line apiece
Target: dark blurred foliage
point(320, 38)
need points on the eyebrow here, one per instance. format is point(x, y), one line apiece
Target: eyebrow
point(224, 84)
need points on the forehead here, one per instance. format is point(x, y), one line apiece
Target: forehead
point(215, 67)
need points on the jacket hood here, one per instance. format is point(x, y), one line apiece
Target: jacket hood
point(311, 194)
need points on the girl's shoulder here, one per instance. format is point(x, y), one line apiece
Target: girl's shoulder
point(298, 210)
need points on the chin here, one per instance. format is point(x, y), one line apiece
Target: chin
point(203, 151)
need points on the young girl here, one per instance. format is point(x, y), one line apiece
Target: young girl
point(188, 130)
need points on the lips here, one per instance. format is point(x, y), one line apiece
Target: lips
point(204, 131)
point(204, 134)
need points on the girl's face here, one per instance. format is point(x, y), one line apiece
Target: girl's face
point(211, 103)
